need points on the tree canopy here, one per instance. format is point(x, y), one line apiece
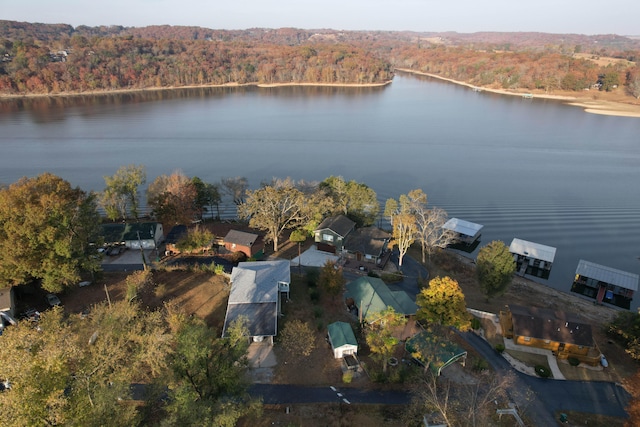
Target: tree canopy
point(495, 268)
point(353, 199)
point(174, 198)
point(380, 335)
point(443, 303)
point(121, 198)
point(403, 223)
point(48, 231)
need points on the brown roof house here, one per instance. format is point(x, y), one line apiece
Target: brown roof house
point(563, 333)
point(332, 232)
point(252, 245)
point(367, 244)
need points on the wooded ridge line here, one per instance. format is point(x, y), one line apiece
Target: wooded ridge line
point(48, 59)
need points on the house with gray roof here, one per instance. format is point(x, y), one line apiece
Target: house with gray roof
point(250, 244)
point(256, 290)
point(332, 232)
point(368, 244)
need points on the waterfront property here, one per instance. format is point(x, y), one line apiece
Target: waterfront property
point(177, 233)
point(466, 232)
point(256, 289)
point(532, 258)
point(605, 284)
point(140, 235)
point(563, 333)
point(369, 244)
point(331, 233)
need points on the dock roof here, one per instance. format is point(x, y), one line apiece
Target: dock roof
point(608, 275)
point(463, 227)
point(532, 250)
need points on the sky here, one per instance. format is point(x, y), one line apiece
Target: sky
point(463, 16)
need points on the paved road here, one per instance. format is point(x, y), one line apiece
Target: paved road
point(540, 398)
point(284, 393)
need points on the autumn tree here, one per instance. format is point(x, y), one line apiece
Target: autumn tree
point(120, 198)
point(443, 303)
point(495, 268)
point(275, 208)
point(353, 199)
point(48, 231)
point(173, 198)
point(380, 335)
point(73, 371)
point(331, 278)
point(403, 224)
point(297, 337)
point(196, 239)
point(625, 327)
point(208, 385)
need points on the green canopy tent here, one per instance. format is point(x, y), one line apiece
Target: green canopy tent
point(434, 351)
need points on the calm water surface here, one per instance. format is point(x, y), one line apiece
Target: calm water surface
point(531, 169)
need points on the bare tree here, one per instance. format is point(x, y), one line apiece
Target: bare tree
point(403, 224)
point(430, 232)
point(236, 188)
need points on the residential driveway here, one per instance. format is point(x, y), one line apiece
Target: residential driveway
point(312, 257)
point(540, 397)
point(412, 271)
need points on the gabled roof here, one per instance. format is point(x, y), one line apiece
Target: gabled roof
point(462, 227)
point(254, 294)
point(241, 238)
point(371, 295)
point(545, 324)
point(434, 350)
point(532, 250)
point(608, 275)
point(255, 282)
point(341, 333)
point(367, 240)
point(339, 224)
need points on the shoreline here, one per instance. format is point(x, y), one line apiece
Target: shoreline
point(602, 107)
point(171, 88)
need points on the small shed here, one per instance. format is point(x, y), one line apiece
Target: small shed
point(467, 232)
point(532, 258)
point(605, 284)
point(342, 339)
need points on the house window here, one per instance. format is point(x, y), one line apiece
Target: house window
point(547, 341)
point(327, 237)
point(527, 339)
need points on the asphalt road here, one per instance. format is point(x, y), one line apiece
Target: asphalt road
point(285, 393)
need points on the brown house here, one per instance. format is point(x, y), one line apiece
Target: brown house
point(563, 333)
point(252, 245)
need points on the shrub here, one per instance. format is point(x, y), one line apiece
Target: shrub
point(161, 290)
point(317, 312)
point(499, 348)
point(573, 361)
point(475, 324)
point(542, 371)
point(347, 377)
point(480, 365)
point(391, 277)
point(314, 295)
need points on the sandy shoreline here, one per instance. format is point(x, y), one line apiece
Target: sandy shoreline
point(155, 89)
point(609, 108)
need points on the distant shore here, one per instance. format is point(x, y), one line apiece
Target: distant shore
point(589, 105)
point(155, 89)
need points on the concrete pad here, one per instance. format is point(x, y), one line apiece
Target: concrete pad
point(261, 355)
point(312, 257)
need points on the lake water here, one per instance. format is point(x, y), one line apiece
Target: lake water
point(532, 169)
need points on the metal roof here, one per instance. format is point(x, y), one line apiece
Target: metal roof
point(371, 295)
point(463, 227)
point(341, 333)
point(257, 282)
point(532, 250)
point(608, 275)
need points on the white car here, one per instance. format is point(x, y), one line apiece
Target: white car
point(603, 361)
point(53, 300)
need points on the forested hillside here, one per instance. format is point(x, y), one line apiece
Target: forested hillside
point(49, 59)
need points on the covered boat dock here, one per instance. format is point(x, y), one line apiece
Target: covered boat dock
point(467, 232)
point(605, 284)
point(532, 258)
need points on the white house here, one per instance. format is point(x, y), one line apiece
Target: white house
point(342, 340)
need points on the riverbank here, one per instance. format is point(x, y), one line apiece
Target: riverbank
point(168, 88)
point(587, 103)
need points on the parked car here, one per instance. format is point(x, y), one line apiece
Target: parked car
point(53, 300)
point(603, 361)
point(84, 283)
